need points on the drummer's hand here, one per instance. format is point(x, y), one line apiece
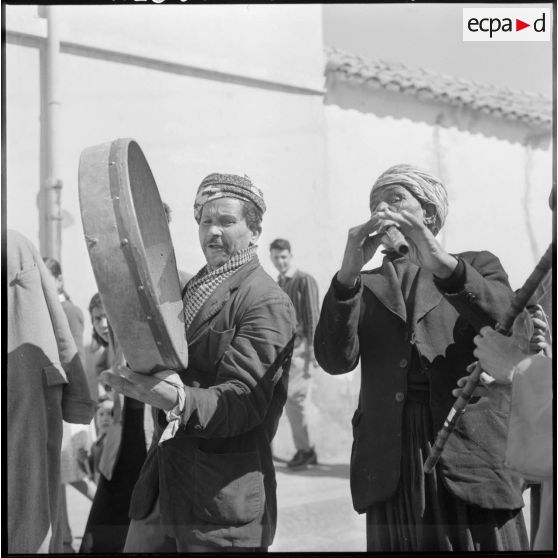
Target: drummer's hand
point(159, 390)
point(425, 250)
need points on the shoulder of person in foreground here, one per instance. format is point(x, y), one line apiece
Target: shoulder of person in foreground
point(55, 337)
point(529, 451)
point(21, 254)
point(73, 311)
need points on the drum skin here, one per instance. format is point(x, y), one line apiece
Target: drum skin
point(131, 252)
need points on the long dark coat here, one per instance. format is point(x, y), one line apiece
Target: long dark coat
point(372, 326)
point(215, 479)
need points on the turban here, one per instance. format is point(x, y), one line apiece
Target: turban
point(217, 186)
point(426, 188)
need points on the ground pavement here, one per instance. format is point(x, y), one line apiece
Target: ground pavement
point(315, 511)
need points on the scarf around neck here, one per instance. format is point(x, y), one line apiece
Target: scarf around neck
point(204, 283)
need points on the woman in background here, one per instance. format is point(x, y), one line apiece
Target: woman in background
point(89, 461)
point(124, 445)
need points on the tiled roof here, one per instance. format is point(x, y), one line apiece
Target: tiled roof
point(531, 109)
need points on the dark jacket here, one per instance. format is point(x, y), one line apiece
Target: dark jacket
point(215, 478)
point(303, 292)
point(371, 325)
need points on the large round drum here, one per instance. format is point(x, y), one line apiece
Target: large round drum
point(131, 252)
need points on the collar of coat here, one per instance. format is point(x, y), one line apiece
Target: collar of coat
point(383, 282)
point(218, 299)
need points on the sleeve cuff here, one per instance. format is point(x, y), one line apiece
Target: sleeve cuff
point(344, 293)
point(174, 417)
point(455, 282)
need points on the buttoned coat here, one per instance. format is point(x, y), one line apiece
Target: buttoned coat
point(45, 385)
point(215, 478)
point(372, 326)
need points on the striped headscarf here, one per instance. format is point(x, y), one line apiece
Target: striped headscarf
point(217, 186)
point(425, 187)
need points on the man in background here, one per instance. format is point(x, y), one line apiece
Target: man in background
point(70, 473)
point(302, 289)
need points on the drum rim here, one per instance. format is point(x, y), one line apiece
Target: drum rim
point(115, 155)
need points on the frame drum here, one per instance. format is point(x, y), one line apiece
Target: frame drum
point(131, 252)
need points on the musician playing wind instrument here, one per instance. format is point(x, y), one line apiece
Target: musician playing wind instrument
point(411, 322)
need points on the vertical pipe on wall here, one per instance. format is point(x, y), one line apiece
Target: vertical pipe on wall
point(528, 169)
point(439, 170)
point(51, 185)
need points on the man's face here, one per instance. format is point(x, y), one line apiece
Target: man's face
point(396, 198)
point(281, 259)
point(223, 231)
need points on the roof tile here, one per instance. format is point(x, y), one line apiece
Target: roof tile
point(500, 102)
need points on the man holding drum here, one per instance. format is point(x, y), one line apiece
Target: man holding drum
point(208, 484)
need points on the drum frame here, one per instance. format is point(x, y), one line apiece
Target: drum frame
point(122, 254)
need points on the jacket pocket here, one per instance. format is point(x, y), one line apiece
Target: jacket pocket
point(55, 375)
point(229, 488)
point(219, 342)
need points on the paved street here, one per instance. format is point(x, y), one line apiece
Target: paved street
point(315, 511)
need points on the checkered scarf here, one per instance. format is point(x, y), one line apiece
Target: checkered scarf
point(204, 283)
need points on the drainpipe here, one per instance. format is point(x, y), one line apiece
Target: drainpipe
point(439, 166)
point(50, 219)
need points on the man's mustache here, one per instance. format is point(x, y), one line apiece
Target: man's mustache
point(217, 242)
